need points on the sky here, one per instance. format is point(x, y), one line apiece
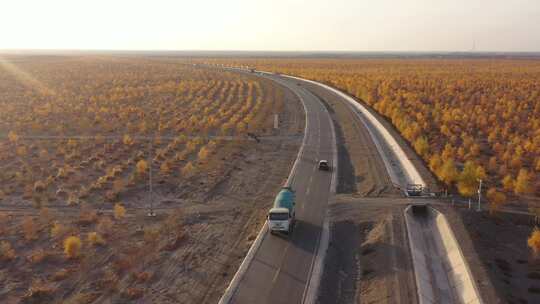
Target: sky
point(272, 25)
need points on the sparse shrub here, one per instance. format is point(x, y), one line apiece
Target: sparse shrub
point(85, 298)
point(43, 154)
point(13, 137)
point(29, 229)
point(119, 211)
point(142, 167)
point(188, 170)
point(37, 201)
point(191, 145)
point(87, 215)
point(534, 241)
point(127, 140)
point(203, 154)
point(141, 277)
point(109, 280)
point(72, 247)
point(71, 143)
point(39, 291)
point(132, 293)
point(94, 239)
point(60, 275)
point(124, 262)
point(37, 256)
point(118, 186)
point(3, 222)
point(62, 173)
point(151, 235)
point(28, 192)
point(72, 200)
point(45, 216)
point(39, 187)
point(165, 168)
point(105, 225)
point(61, 194)
point(58, 230)
point(22, 151)
point(111, 196)
point(6, 251)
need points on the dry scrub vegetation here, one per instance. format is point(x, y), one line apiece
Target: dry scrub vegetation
point(80, 130)
point(467, 119)
point(79, 137)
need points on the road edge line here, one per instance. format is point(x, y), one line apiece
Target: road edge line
point(311, 292)
point(242, 269)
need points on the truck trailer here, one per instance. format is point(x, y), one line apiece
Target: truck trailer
point(281, 217)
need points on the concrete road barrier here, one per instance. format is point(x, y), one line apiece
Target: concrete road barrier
point(441, 271)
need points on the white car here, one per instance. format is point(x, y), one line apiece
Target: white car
point(323, 165)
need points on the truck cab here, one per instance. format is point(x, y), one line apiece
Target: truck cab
point(280, 220)
point(281, 217)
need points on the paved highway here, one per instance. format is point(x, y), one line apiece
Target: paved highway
point(281, 267)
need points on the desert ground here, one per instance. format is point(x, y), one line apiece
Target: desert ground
point(81, 138)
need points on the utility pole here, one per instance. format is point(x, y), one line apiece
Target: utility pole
point(479, 195)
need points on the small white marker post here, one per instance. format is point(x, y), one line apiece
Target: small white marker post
point(276, 121)
point(479, 196)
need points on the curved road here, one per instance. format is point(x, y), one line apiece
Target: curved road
point(281, 267)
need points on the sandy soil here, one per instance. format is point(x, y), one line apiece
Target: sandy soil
point(368, 260)
point(503, 259)
point(205, 228)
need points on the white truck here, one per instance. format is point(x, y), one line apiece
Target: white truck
point(281, 217)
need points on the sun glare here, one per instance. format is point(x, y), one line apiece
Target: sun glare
point(25, 78)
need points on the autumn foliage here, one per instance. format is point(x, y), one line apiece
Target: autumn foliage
point(72, 247)
point(534, 241)
point(456, 113)
point(108, 122)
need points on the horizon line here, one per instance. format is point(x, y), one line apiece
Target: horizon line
point(265, 51)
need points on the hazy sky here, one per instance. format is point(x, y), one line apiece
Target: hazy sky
point(349, 25)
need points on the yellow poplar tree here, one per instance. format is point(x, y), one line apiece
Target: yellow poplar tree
point(508, 182)
point(448, 172)
point(534, 241)
point(523, 183)
point(467, 180)
point(421, 146)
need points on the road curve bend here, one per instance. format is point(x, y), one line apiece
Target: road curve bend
point(278, 269)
